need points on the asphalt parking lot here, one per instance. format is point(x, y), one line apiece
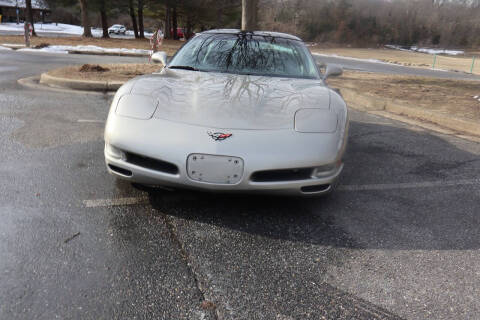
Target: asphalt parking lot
point(400, 239)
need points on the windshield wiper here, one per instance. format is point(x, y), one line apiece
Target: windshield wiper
point(184, 68)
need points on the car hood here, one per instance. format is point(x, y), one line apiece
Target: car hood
point(221, 100)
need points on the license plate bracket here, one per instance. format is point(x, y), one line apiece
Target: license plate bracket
point(214, 168)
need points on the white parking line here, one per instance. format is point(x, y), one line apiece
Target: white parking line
point(114, 202)
point(409, 185)
point(365, 187)
point(90, 121)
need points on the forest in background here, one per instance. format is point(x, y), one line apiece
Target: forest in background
point(454, 23)
point(371, 22)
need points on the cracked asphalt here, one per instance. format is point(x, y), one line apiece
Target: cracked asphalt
point(392, 243)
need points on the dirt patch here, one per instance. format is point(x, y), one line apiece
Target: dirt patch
point(42, 45)
point(449, 97)
point(92, 68)
point(461, 63)
point(169, 46)
point(107, 72)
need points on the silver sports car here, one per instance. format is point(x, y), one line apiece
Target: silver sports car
point(231, 111)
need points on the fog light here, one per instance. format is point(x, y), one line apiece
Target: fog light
point(324, 171)
point(114, 152)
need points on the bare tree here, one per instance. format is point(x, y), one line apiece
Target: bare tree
point(140, 19)
point(249, 14)
point(168, 20)
point(28, 5)
point(174, 22)
point(134, 19)
point(87, 32)
point(103, 18)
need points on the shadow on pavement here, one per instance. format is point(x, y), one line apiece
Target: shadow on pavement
point(428, 218)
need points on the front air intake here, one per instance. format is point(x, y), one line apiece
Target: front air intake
point(316, 188)
point(121, 171)
point(282, 175)
point(152, 164)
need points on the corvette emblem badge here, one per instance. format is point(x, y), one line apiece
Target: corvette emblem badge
point(219, 136)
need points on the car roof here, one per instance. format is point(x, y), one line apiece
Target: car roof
point(256, 33)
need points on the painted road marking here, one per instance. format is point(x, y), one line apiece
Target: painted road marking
point(409, 185)
point(366, 187)
point(115, 202)
point(90, 121)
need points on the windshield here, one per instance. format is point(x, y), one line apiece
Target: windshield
point(246, 54)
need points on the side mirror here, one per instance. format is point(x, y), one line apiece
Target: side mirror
point(160, 57)
point(332, 71)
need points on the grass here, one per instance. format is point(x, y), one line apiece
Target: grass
point(449, 97)
point(170, 46)
point(414, 59)
point(114, 72)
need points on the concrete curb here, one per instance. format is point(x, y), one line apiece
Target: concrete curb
point(13, 46)
point(368, 103)
point(34, 83)
point(85, 85)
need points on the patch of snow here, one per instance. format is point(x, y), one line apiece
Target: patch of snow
point(131, 33)
point(354, 59)
point(89, 49)
point(42, 50)
point(426, 50)
point(4, 48)
point(61, 28)
point(475, 97)
point(47, 27)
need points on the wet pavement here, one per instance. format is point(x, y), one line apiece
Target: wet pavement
point(400, 239)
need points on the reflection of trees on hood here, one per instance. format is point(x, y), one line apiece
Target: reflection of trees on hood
point(236, 87)
point(257, 89)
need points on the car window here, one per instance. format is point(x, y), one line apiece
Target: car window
point(247, 54)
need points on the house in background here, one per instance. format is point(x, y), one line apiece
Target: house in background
point(11, 9)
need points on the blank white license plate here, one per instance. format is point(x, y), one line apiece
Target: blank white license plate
point(214, 169)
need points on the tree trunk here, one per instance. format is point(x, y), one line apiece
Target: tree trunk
point(28, 5)
point(166, 33)
point(219, 14)
point(188, 31)
point(140, 19)
point(249, 15)
point(103, 17)
point(174, 23)
point(87, 32)
point(134, 19)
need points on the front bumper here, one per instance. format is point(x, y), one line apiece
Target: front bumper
point(259, 149)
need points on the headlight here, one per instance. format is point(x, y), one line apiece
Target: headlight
point(314, 120)
point(136, 106)
point(114, 152)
